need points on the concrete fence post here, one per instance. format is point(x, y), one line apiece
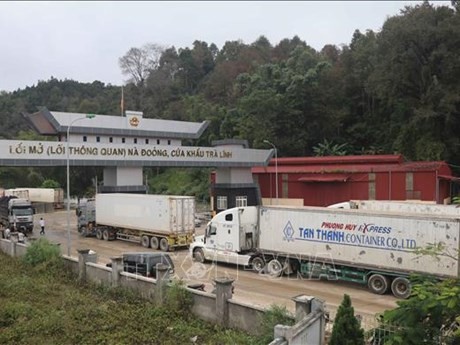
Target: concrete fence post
point(117, 268)
point(82, 260)
point(303, 306)
point(306, 305)
point(162, 278)
point(13, 243)
point(319, 305)
point(224, 292)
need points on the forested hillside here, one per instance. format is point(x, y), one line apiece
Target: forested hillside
point(392, 91)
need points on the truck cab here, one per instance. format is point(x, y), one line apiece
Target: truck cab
point(20, 215)
point(229, 237)
point(86, 217)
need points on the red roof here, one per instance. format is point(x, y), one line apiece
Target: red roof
point(350, 164)
point(369, 159)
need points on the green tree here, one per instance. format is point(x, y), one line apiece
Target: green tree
point(279, 103)
point(431, 314)
point(346, 330)
point(415, 78)
point(50, 184)
point(328, 148)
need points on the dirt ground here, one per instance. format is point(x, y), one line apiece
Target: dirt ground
point(250, 287)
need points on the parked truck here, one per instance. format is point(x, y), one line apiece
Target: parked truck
point(16, 214)
point(367, 247)
point(154, 221)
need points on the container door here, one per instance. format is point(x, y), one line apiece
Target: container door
point(175, 218)
point(182, 215)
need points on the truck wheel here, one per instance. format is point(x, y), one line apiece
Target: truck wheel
point(378, 284)
point(154, 242)
point(83, 231)
point(198, 255)
point(258, 264)
point(99, 234)
point(145, 241)
point(164, 245)
point(105, 235)
point(274, 268)
point(401, 287)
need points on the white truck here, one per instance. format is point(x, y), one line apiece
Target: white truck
point(154, 221)
point(367, 247)
point(16, 214)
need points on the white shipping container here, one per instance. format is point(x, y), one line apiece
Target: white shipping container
point(19, 193)
point(361, 238)
point(164, 214)
point(408, 207)
point(58, 196)
point(45, 195)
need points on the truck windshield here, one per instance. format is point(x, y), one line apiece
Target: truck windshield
point(22, 211)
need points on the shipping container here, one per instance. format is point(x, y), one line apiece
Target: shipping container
point(156, 221)
point(53, 196)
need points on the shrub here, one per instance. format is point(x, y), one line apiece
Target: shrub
point(275, 315)
point(178, 299)
point(44, 254)
point(346, 330)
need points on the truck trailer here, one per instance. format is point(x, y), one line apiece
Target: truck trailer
point(16, 214)
point(53, 196)
point(368, 247)
point(154, 221)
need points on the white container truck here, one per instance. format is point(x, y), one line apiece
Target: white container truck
point(154, 221)
point(366, 247)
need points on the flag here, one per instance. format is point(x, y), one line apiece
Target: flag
point(122, 103)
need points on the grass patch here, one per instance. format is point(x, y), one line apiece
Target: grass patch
point(38, 307)
point(275, 315)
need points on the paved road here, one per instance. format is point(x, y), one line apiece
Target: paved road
point(249, 286)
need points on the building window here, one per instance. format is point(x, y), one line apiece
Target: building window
point(146, 141)
point(98, 139)
point(85, 139)
point(221, 202)
point(241, 201)
point(158, 141)
point(123, 140)
point(110, 140)
point(169, 142)
point(135, 140)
